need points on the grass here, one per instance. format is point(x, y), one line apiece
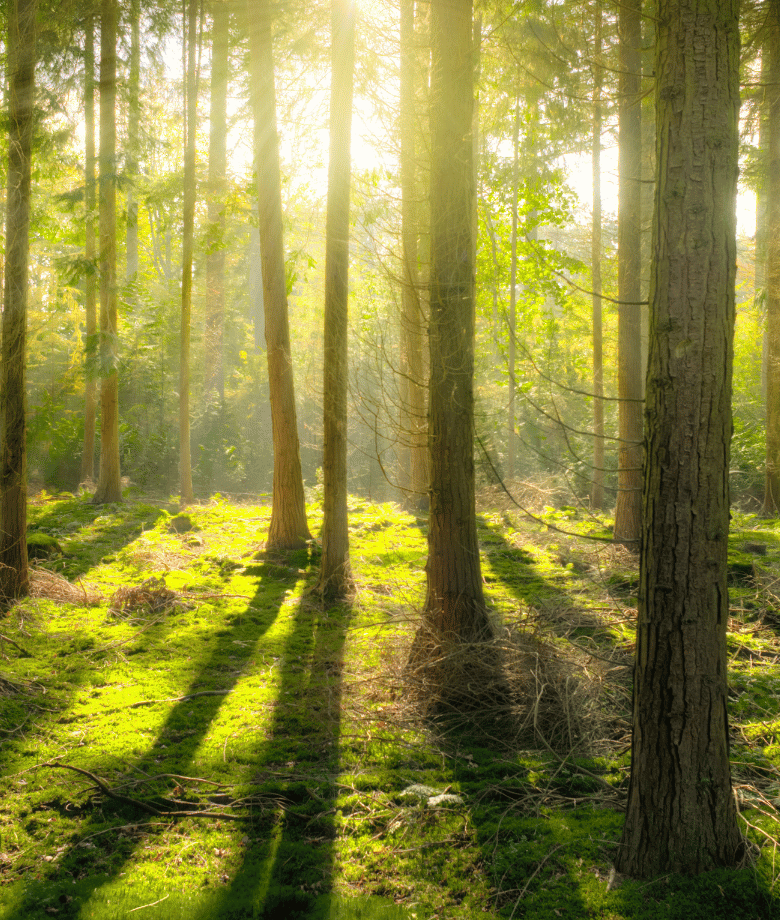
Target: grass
point(186, 733)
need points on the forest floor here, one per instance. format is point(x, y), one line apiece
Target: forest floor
point(185, 731)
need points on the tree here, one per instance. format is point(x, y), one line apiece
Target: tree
point(681, 815)
point(772, 244)
point(109, 488)
point(288, 528)
point(454, 607)
point(628, 510)
point(133, 122)
point(597, 484)
point(188, 239)
point(335, 574)
point(90, 289)
point(413, 402)
point(214, 384)
point(14, 577)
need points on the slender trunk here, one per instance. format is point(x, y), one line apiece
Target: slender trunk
point(413, 422)
point(511, 437)
point(455, 606)
point(109, 488)
point(597, 485)
point(133, 119)
point(90, 288)
point(188, 238)
point(772, 99)
point(214, 384)
point(335, 574)
point(762, 204)
point(288, 528)
point(681, 815)
point(14, 577)
point(628, 511)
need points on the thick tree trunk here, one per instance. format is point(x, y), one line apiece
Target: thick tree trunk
point(90, 288)
point(681, 815)
point(214, 383)
point(628, 510)
point(288, 528)
point(597, 484)
point(454, 607)
point(772, 334)
point(109, 488)
point(14, 578)
point(335, 574)
point(414, 478)
point(188, 239)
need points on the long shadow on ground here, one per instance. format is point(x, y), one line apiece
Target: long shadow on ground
point(172, 752)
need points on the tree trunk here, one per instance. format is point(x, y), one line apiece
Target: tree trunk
point(772, 335)
point(133, 119)
point(414, 479)
point(288, 528)
point(681, 815)
point(188, 239)
point(90, 288)
point(109, 487)
point(628, 511)
point(335, 574)
point(597, 484)
point(454, 607)
point(214, 383)
point(14, 577)
point(512, 347)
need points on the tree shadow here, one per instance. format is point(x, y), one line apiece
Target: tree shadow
point(289, 874)
point(172, 752)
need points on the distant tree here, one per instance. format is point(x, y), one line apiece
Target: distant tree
point(681, 815)
point(335, 573)
point(214, 384)
point(90, 251)
point(288, 528)
point(133, 124)
point(14, 577)
point(597, 484)
point(772, 244)
point(628, 510)
point(454, 607)
point(190, 27)
point(109, 488)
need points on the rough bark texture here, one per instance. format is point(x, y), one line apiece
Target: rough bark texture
point(454, 606)
point(133, 120)
point(597, 484)
point(90, 251)
point(214, 382)
point(681, 815)
point(414, 423)
point(335, 575)
point(188, 239)
point(288, 528)
point(772, 335)
point(14, 578)
point(628, 510)
point(109, 488)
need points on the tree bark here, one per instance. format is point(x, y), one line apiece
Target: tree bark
point(133, 120)
point(414, 478)
point(335, 573)
point(288, 528)
point(772, 335)
point(14, 577)
point(214, 384)
point(628, 510)
point(454, 608)
point(512, 346)
point(188, 239)
point(681, 815)
point(109, 488)
point(597, 484)
point(90, 287)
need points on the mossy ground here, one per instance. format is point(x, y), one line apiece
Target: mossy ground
point(224, 688)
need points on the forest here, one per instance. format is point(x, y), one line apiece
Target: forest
point(390, 459)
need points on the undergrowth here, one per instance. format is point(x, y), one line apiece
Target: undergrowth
point(187, 733)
